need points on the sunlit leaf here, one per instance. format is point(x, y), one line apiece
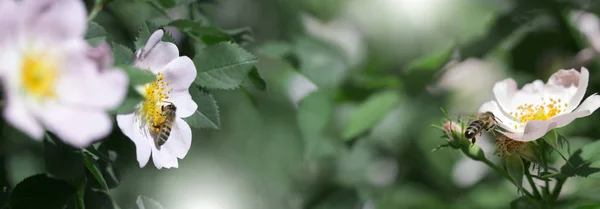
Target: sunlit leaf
point(374, 109)
point(41, 191)
point(320, 61)
point(207, 114)
point(95, 33)
point(223, 66)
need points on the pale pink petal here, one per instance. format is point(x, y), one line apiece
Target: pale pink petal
point(17, 114)
point(152, 42)
point(164, 158)
point(134, 131)
point(59, 19)
point(504, 91)
point(536, 129)
point(180, 140)
point(180, 72)
point(76, 126)
point(9, 24)
point(184, 103)
point(158, 57)
point(105, 90)
point(505, 121)
point(582, 84)
point(102, 55)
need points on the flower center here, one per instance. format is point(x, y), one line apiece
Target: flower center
point(155, 93)
point(506, 146)
point(548, 109)
point(38, 75)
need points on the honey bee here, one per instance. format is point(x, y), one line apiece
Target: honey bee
point(164, 129)
point(483, 122)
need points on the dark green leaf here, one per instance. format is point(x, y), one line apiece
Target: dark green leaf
point(370, 112)
point(223, 66)
point(256, 80)
point(41, 191)
point(94, 170)
point(525, 203)
point(515, 169)
point(95, 34)
point(132, 99)
point(584, 162)
point(207, 114)
point(205, 34)
point(98, 200)
point(145, 31)
point(122, 54)
point(147, 203)
point(421, 72)
point(62, 161)
point(137, 76)
point(107, 169)
point(590, 206)
point(167, 3)
point(241, 36)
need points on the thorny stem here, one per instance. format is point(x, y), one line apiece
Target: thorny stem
point(504, 174)
point(536, 192)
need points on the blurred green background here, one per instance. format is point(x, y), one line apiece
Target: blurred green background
point(352, 89)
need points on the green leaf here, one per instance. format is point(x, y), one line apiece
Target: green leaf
point(242, 36)
point(204, 34)
point(93, 169)
point(256, 81)
point(98, 200)
point(41, 191)
point(95, 34)
point(370, 112)
point(62, 161)
point(167, 3)
point(515, 169)
point(122, 54)
point(275, 49)
point(314, 112)
point(321, 62)
point(207, 114)
point(420, 72)
point(525, 202)
point(147, 203)
point(223, 66)
point(590, 206)
point(128, 105)
point(146, 30)
point(137, 76)
point(104, 164)
point(584, 162)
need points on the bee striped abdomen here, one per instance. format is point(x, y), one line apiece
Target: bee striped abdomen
point(473, 129)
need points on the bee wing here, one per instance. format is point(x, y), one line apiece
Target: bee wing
point(180, 139)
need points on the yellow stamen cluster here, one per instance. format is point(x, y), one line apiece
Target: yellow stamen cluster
point(39, 75)
point(506, 146)
point(546, 110)
point(156, 94)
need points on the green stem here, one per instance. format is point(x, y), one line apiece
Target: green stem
point(558, 188)
point(536, 192)
point(504, 174)
point(98, 5)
